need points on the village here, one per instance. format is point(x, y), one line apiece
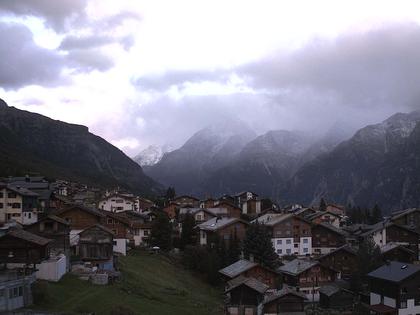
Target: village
point(266, 259)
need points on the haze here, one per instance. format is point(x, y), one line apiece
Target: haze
point(154, 72)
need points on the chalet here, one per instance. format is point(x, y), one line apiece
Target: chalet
point(290, 234)
point(208, 203)
point(304, 212)
point(184, 201)
point(244, 296)
point(251, 269)
point(224, 228)
point(121, 227)
point(117, 202)
point(409, 218)
point(140, 226)
point(232, 210)
point(326, 238)
point(18, 204)
point(394, 289)
point(22, 247)
point(286, 301)
point(57, 230)
point(80, 217)
point(325, 217)
point(386, 231)
point(397, 252)
point(343, 260)
point(243, 196)
point(332, 296)
point(143, 204)
point(336, 209)
point(95, 246)
point(227, 198)
point(307, 275)
point(171, 210)
point(202, 214)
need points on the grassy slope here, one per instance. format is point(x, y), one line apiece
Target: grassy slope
point(151, 285)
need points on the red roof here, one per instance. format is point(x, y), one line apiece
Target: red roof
point(382, 309)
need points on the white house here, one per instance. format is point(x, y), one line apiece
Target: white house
point(118, 203)
point(18, 204)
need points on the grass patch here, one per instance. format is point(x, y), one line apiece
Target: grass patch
point(151, 284)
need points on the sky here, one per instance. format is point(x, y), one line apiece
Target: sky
point(142, 73)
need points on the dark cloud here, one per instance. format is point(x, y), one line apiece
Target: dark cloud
point(72, 42)
point(22, 62)
point(178, 77)
point(377, 68)
point(57, 14)
point(87, 60)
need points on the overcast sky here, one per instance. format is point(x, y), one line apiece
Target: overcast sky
point(153, 72)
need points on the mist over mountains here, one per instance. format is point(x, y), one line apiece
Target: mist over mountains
point(376, 164)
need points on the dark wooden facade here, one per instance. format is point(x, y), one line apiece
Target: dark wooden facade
point(95, 244)
point(294, 226)
point(399, 234)
point(342, 299)
point(317, 275)
point(343, 260)
point(55, 229)
point(325, 237)
point(287, 303)
point(80, 217)
point(119, 225)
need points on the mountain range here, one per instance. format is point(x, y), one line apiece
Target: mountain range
point(378, 164)
point(32, 143)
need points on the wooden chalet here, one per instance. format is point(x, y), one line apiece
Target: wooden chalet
point(80, 217)
point(285, 301)
point(343, 260)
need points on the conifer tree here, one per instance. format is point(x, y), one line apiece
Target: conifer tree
point(257, 243)
point(161, 232)
point(188, 234)
point(322, 205)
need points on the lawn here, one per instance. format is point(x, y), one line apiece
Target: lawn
point(151, 285)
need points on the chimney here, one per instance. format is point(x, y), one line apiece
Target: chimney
point(251, 257)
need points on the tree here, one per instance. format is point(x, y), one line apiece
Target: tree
point(188, 233)
point(368, 259)
point(170, 193)
point(234, 250)
point(322, 205)
point(161, 232)
point(257, 243)
point(376, 215)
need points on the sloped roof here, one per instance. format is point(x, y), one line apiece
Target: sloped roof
point(399, 214)
point(249, 282)
point(280, 293)
point(346, 248)
point(321, 213)
point(272, 219)
point(103, 228)
point(329, 289)
point(28, 236)
point(22, 191)
point(217, 223)
point(81, 207)
point(237, 268)
point(333, 229)
point(54, 218)
point(390, 246)
point(297, 266)
point(395, 271)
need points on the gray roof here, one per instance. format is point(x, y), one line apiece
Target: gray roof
point(217, 223)
point(272, 219)
point(399, 214)
point(280, 293)
point(390, 246)
point(333, 229)
point(297, 266)
point(237, 268)
point(329, 289)
point(395, 271)
point(320, 213)
point(346, 248)
point(22, 191)
point(28, 236)
point(249, 282)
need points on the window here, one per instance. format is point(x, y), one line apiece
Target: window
point(109, 221)
point(146, 233)
point(288, 251)
point(11, 195)
point(279, 251)
point(119, 201)
point(16, 215)
point(305, 241)
point(29, 215)
point(120, 208)
point(114, 243)
point(68, 220)
point(1, 205)
point(16, 205)
point(305, 250)
point(296, 245)
point(1, 195)
point(279, 242)
point(403, 304)
point(288, 241)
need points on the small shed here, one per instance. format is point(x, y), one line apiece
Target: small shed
point(334, 297)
